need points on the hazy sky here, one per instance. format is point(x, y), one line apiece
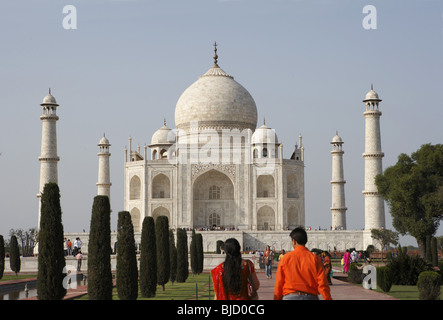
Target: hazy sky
point(308, 65)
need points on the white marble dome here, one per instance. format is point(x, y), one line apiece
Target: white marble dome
point(336, 139)
point(49, 99)
point(264, 135)
point(216, 101)
point(163, 136)
point(372, 95)
point(104, 141)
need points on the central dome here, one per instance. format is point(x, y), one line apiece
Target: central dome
point(216, 101)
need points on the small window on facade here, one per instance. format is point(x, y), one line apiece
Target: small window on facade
point(214, 192)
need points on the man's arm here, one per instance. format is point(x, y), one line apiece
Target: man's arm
point(279, 281)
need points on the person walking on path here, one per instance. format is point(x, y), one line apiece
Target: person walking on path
point(231, 278)
point(79, 257)
point(300, 273)
point(346, 261)
point(268, 256)
point(327, 265)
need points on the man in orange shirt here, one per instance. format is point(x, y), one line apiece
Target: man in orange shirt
point(300, 273)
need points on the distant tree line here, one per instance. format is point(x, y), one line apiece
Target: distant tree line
point(26, 240)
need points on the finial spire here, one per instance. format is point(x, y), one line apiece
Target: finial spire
point(164, 121)
point(215, 54)
point(372, 86)
point(49, 90)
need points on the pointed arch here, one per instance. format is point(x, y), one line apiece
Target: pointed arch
point(266, 218)
point(161, 211)
point(265, 186)
point(135, 218)
point(135, 188)
point(161, 187)
point(213, 196)
point(291, 186)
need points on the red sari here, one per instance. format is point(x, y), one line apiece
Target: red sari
point(217, 279)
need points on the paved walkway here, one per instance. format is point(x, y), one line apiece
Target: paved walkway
point(340, 290)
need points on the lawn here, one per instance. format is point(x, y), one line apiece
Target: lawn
point(180, 291)
point(7, 277)
point(406, 292)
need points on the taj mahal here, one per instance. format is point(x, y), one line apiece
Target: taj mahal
point(221, 171)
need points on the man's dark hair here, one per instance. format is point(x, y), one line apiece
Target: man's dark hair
point(299, 235)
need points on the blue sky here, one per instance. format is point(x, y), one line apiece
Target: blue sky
point(307, 64)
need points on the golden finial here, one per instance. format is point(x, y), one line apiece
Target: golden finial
point(215, 54)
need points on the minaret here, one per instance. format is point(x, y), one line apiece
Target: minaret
point(104, 178)
point(48, 156)
point(374, 203)
point(338, 208)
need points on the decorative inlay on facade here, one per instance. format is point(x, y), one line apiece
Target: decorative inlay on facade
point(198, 169)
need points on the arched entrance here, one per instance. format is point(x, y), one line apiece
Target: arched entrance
point(266, 218)
point(213, 201)
point(160, 211)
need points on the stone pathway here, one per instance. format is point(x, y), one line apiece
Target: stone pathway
point(340, 290)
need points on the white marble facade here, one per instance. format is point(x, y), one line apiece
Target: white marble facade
point(216, 170)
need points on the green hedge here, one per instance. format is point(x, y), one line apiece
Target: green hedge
point(384, 278)
point(429, 285)
point(355, 274)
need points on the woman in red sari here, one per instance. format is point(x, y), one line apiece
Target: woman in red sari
point(231, 277)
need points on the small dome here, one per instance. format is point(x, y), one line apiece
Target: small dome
point(371, 95)
point(49, 99)
point(337, 139)
point(163, 136)
point(264, 134)
point(104, 141)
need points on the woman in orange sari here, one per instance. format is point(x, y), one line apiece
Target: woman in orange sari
point(231, 277)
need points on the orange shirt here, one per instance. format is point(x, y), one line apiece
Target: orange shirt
point(301, 270)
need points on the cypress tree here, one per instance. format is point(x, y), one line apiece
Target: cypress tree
point(162, 241)
point(194, 253)
point(200, 257)
point(172, 257)
point(182, 256)
point(148, 259)
point(14, 255)
point(51, 257)
point(2, 256)
point(99, 251)
point(127, 274)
